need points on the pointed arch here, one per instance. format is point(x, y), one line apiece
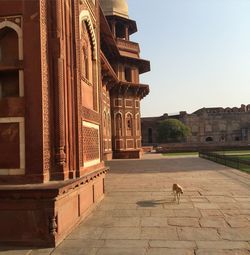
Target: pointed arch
point(85, 17)
point(118, 124)
point(129, 124)
point(88, 62)
point(19, 32)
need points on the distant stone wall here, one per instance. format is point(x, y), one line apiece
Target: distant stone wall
point(181, 147)
point(218, 125)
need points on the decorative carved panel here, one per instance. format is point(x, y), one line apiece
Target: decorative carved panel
point(91, 150)
point(90, 115)
point(128, 103)
point(130, 144)
point(118, 102)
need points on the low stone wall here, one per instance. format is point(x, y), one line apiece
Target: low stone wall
point(43, 215)
point(186, 147)
point(132, 154)
point(147, 149)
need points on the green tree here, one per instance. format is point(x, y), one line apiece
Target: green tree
point(172, 130)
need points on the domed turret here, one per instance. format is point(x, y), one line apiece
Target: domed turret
point(115, 7)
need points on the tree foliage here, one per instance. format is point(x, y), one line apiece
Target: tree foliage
point(172, 130)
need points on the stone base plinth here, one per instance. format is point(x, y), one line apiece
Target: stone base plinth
point(128, 154)
point(108, 156)
point(44, 214)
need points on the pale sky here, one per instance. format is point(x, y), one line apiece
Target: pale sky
point(199, 52)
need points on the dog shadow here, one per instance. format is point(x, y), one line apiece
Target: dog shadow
point(155, 203)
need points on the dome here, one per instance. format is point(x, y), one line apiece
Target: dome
point(115, 7)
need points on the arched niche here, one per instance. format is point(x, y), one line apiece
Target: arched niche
point(118, 124)
point(11, 51)
point(209, 139)
point(10, 25)
point(129, 124)
point(88, 62)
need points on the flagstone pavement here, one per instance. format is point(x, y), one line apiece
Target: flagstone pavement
point(139, 217)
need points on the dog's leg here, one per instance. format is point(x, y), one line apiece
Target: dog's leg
point(178, 196)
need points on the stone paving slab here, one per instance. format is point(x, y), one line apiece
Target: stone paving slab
point(221, 252)
point(167, 251)
point(222, 245)
point(172, 244)
point(121, 251)
point(138, 215)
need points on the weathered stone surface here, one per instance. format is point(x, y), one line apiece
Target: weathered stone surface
point(86, 233)
point(121, 251)
point(221, 252)
point(228, 206)
point(79, 243)
point(221, 199)
point(231, 212)
point(126, 221)
point(74, 250)
point(235, 234)
point(155, 229)
point(41, 252)
point(213, 222)
point(186, 233)
point(184, 222)
point(182, 205)
point(121, 233)
point(242, 199)
point(199, 199)
point(168, 251)
point(126, 243)
point(189, 213)
point(162, 233)
point(154, 222)
point(211, 213)
point(206, 206)
point(238, 222)
point(226, 245)
point(128, 213)
point(172, 244)
point(162, 213)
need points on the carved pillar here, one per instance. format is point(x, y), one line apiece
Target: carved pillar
point(127, 32)
point(60, 156)
point(113, 28)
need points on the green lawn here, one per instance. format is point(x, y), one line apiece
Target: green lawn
point(241, 154)
point(172, 154)
point(237, 154)
point(234, 152)
point(247, 156)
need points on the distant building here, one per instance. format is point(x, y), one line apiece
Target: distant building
point(219, 126)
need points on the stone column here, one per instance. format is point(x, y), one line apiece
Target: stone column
point(59, 83)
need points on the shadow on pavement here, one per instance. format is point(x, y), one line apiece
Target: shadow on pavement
point(154, 203)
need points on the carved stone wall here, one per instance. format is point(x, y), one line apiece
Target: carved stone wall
point(45, 87)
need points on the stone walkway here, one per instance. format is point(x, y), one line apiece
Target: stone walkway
point(139, 217)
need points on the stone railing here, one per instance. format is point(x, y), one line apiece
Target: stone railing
point(128, 45)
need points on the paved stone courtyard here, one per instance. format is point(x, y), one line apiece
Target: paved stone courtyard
point(139, 217)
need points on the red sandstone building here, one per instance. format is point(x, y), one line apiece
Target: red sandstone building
point(69, 99)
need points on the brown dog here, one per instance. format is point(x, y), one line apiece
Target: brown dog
point(177, 191)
